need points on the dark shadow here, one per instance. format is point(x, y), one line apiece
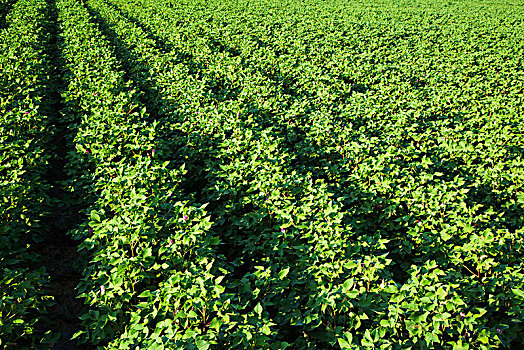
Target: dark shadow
point(50, 252)
point(5, 8)
point(66, 209)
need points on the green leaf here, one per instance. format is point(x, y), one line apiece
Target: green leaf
point(145, 294)
point(282, 274)
point(95, 216)
point(77, 334)
point(202, 344)
point(215, 324)
point(518, 292)
point(343, 344)
point(258, 309)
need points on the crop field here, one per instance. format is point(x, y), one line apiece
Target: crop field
point(261, 174)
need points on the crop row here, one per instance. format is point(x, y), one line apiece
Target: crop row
point(144, 247)
point(24, 135)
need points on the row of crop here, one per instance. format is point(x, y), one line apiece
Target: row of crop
point(24, 135)
point(385, 197)
point(147, 253)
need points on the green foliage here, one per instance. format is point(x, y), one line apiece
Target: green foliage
point(23, 137)
point(358, 200)
point(281, 174)
point(150, 251)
